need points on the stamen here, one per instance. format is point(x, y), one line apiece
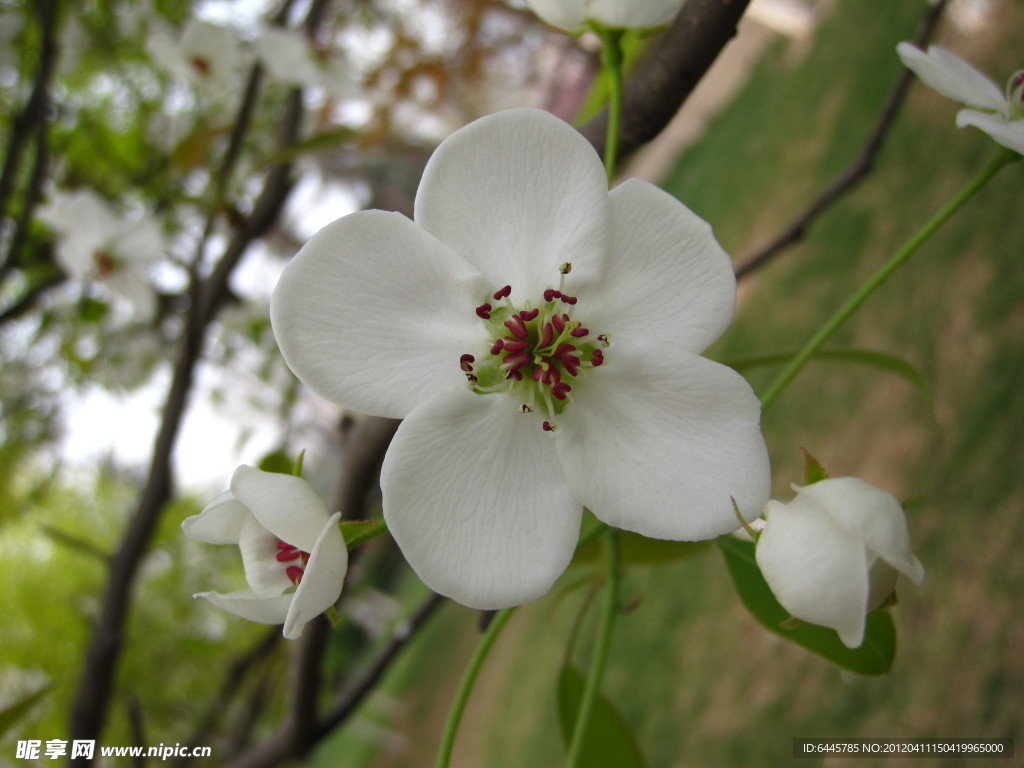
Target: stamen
point(501, 294)
point(294, 573)
point(466, 363)
point(484, 311)
point(549, 427)
point(525, 408)
point(551, 294)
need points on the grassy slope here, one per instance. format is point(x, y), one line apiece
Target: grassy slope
point(699, 680)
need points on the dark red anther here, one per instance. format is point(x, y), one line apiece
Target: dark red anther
point(499, 295)
point(516, 360)
point(579, 333)
point(466, 363)
point(294, 573)
point(551, 294)
point(516, 375)
point(603, 338)
point(516, 326)
point(559, 322)
point(570, 300)
point(287, 555)
point(201, 65)
point(484, 311)
point(514, 345)
point(560, 390)
point(597, 358)
point(547, 426)
point(529, 314)
point(497, 346)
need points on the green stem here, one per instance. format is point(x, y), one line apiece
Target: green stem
point(601, 648)
point(853, 304)
point(451, 727)
point(611, 61)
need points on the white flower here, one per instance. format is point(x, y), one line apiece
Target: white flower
point(834, 553)
point(573, 15)
point(98, 245)
point(999, 115)
point(290, 58)
point(540, 336)
point(206, 55)
point(293, 552)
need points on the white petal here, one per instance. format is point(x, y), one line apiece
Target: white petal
point(243, 603)
point(265, 575)
point(952, 77)
point(637, 14)
point(868, 513)
point(220, 522)
point(285, 505)
point(1009, 134)
point(139, 241)
point(569, 15)
point(659, 445)
point(474, 496)
point(322, 581)
point(815, 569)
point(131, 283)
point(517, 194)
point(667, 282)
point(373, 312)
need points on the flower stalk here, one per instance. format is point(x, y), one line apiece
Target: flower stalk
point(611, 61)
point(828, 330)
point(601, 648)
point(451, 727)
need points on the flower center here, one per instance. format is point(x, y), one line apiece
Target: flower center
point(201, 65)
point(286, 553)
point(537, 353)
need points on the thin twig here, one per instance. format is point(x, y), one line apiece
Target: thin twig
point(28, 121)
point(857, 171)
point(283, 746)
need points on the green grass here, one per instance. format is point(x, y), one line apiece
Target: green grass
point(699, 680)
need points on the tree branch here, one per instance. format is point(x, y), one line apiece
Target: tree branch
point(661, 82)
point(95, 685)
point(857, 171)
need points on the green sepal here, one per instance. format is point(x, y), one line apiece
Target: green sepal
point(874, 656)
point(610, 742)
point(813, 471)
point(278, 462)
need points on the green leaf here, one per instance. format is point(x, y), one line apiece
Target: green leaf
point(869, 357)
point(17, 710)
point(640, 550)
point(610, 742)
point(873, 657)
point(358, 531)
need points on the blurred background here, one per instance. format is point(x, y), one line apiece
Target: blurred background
point(228, 173)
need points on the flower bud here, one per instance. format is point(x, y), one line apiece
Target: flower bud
point(834, 553)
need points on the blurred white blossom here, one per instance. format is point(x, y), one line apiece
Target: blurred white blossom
point(290, 57)
point(1000, 114)
point(101, 246)
point(574, 15)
